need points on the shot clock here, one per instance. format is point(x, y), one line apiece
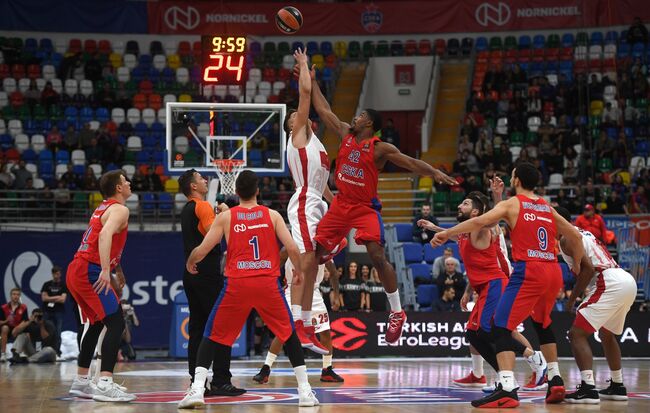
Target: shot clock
point(223, 59)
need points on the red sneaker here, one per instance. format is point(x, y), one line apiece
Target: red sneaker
point(316, 346)
point(556, 391)
point(471, 381)
point(535, 384)
point(396, 321)
point(305, 341)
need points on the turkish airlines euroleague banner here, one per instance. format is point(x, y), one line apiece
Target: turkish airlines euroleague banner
point(392, 17)
point(443, 335)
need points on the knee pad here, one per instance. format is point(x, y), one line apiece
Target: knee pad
point(487, 336)
point(503, 339)
point(545, 335)
point(472, 337)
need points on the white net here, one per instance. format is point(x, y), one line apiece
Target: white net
point(228, 170)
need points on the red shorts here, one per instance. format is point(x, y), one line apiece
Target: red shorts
point(489, 294)
point(531, 291)
point(80, 277)
point(342, 217)
point(241, 295)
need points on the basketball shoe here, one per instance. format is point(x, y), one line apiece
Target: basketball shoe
point(328, 375)
point(615, 391)
point(307, 337)
point(471, 381)
point(584, 394)
point(555, 392)
point(307, 397)
point(396, 321)
point(490, 389)
point(536, 383)
point(82, 387)
point(107, 391)
point(538, 365)
point(499, 399)
point(263, 376)
point(226, 389)
point(193, 398)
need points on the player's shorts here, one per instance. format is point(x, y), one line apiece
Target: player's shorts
point(241, 295)
point(489, 294)
point(342, 217)
point(305, 212)
point(531, 291)
point(608, 303)
point(319, 317)
point(80, 277)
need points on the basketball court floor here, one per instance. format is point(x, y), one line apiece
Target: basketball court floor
point(391, 385)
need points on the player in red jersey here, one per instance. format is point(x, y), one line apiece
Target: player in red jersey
point(252, 282)
point(89, 282)
point(361, 156)
point(533, 285)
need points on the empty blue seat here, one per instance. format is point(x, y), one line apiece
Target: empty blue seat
point(165, 202)
point(29, 155)
point(568, 40)
point(111, 167)
point(79, 169)
point(62, 156)
point(70, 113)
point(46, 169)
point(524, 42)
point(623, 50)
point(255, 48)
point(426, 295)
point(312, 48)
point(481, 44)
point(326, 48)
point(148, 202)
point(422, 272)
point(6, 141)
point(149, 142)
point(46, 155)
point(404, 232)
point(430, 253)
point(552, 67)
point(539, 41)
point(596, 37)
point(412, 252)
point(46, 45)
point(642, 148)
point(611, 37)
point(141, 129)
point(296, 45)
point(638, 50)
point(86, 114)
point(30, 46)
point(142, 157)
point(102, 114)
point(158, 157)
point(629, 132)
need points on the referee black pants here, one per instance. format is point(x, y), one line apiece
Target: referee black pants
point(202, 292)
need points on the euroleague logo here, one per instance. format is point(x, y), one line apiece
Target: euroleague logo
point(348, 333)
point(28, 271)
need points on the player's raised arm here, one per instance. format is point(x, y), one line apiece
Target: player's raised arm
point(572, 237)
point(118, 217)
point(393, 155)
point(211, 239)
point(322, 107)
point(299, 132)
point(286, 239)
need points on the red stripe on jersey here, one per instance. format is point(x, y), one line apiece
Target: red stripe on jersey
point(600, 289)
point(302, 202)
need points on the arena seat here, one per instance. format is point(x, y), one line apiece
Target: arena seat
point(412, 252)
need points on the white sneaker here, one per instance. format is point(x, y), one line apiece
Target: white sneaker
point(307, 398)
point(3, 358)
point(107, 391)
point(82, 388)
point(193, 398)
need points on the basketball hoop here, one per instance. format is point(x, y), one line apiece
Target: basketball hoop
point(228, 170)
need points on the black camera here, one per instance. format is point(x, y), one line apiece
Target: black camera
point(38, 317)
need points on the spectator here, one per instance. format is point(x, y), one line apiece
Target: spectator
point(447, 302)
point(590, 194)
point(86, 136)
point(153, 181)
point(53, 295)
point(420, 235)
point(439, 263)
point(376, 291)
point(6, 178)
point(139, 182)
point(49, 96)
point(390, 134)
point(351, 289)
point(365, 293)
point(560, 301)
point(130, 321)
point(637, 202)
point(61, 196)
point(592, 222)
point(570, 176)
point(29, 334)
point(93, 152)
point(451, 277)
point(267, 191)
point(54, 139)
point(21, 175)
point(469, 184)
point(474, 118)
point(615, 204)
point(93, 69)
point(12, 315)
point(71, 179)
point(106, 97)
point(465, 144)
point(32, 95)
point(330, 297)
point(611, 116)
point(637, 33)
point(89, 180)
point(71, 139)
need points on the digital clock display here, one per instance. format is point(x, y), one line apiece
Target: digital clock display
point(223, 59)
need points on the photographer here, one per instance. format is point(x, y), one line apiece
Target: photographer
point(12, 315)
point(54, 295)
point(130, 321)
point(36, 340)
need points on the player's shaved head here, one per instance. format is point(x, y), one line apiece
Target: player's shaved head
point(246, 185)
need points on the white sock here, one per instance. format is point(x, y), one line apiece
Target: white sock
point(553, 369)
point(83, 378)
point(306, 317)
point(393, 299)
point(477, 365)
point(617, 376)
point(301, 377)
point(104, 381)
point(327, 360)
point(296, 311)
point(507, 380)
point(200, 376)
point(270, 359)
point(588, 377)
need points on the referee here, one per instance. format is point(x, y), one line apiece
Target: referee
point(203, 288)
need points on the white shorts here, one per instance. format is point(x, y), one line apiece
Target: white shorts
point(304, 215)
point(320, 319)
point(609, 302)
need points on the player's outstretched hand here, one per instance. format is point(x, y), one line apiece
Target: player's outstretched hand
point(428, 225)
point(103, 283)
point(300, 56)
point(463, 301)
point(497, 186)
point(440, 238)
point(442, 178)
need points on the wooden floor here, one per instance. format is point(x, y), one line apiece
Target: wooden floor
point(397, 385)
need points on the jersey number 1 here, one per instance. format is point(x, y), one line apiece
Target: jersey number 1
point(256, 247)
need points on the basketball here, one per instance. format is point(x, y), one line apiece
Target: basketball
point(288, 19)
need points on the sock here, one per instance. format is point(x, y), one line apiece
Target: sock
point(507, 380)
point(393, 299)
point(477, 365)
point(86, 377)
point(301, 376)
point(296, 311)
point(617, 376)
point(588, 377)
point(270, 359)
point(200, 376)
point(327, 360)
point(553, 369)
point(104, 381)
point(306, 317)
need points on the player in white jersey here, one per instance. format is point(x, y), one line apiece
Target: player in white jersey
point(320, 321)
point(609, 293)
point(309, 166)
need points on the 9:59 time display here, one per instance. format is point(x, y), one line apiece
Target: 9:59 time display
point(223, 59)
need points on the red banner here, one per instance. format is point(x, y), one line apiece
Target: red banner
point(393, 17)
